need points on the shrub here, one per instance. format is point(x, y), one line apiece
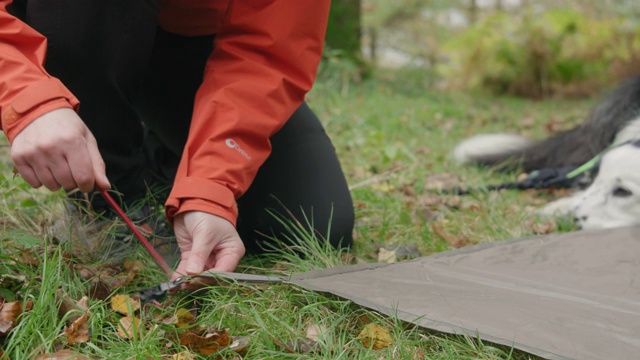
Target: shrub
point(555, 53)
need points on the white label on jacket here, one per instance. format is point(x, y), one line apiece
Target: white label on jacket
point(234, 145)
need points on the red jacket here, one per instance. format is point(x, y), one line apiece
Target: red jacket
point(265, 60)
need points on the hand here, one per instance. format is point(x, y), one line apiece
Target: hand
point(58, 150)
point(207, 242)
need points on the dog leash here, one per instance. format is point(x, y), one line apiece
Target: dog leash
point(539, 179)
point(559, 178)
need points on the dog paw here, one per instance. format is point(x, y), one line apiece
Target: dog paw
point(560, 207)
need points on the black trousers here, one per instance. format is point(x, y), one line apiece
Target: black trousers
point(137, 84)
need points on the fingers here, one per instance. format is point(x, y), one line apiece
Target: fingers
point(86, 168)
point(228, 258)
point(200, 252)
point(44, 171)
point(207, 242)
point(55, 167)
point(28, 174)
point(58, 150)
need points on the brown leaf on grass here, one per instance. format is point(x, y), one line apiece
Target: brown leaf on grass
point(308, 344)
point(417, 353)
point(453, 240)
point(283, 346)
point(302, 346)
point(527, 122)
point(541, 228)
point(443, 181)
point(364, 320)
point(182, 318)
point(9, 280)
point(68, 305)
point(375, 336)
point(387, 256)
point(27, 257)
point(133, 267)
point(396, 252)
point(206, 344)
point(9, 313)
point(78, 332)
point(124, 304)
point(128, 327)
point(554, 125)
point(5, 327)
point(316, 331)
point(185, 355)
point(239, 344)
point(99, 291)
point(104, 279)
point(65, 354)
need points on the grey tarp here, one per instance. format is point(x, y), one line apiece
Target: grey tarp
point(574, 295)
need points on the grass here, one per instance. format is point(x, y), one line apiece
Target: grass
point(393, 136)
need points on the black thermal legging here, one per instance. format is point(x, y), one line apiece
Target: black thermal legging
point(137, 84)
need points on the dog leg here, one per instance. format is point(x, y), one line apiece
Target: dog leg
point(561, 207)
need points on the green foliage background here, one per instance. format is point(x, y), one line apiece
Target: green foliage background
point(537, 49)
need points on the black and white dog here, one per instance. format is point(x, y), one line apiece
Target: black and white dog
point(612, 129)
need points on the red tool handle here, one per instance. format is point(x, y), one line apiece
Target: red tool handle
point(159, 259)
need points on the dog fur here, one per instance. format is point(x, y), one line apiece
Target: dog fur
point(613, 197)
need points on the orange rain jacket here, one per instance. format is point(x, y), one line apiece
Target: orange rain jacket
point(265, 60)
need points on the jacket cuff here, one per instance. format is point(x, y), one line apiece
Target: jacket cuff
point(33, 102)
point(198, 194)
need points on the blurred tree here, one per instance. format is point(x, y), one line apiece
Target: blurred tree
point(343, 32)
point(473, 12)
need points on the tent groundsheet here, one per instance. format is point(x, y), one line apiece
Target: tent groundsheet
point(561, 296)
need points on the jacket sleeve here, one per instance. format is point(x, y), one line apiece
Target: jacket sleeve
point(265, 60)
point(26, 90)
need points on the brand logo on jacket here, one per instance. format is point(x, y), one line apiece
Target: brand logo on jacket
point(234, 145)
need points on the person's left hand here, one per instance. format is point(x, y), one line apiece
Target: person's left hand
point(207, 242)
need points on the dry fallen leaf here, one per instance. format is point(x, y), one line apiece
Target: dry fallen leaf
point(387, 256)
point(68, 305)
point(128, 327)
point(133, 266)
point(78, 332)
point(27, 257)
point(5, 326)
point(181, 319)
point(239, 344)
point(124, 304)
point(184, 318)
point(453, 240)
point(9, 313)
point(185, 355)
point(104, 278)
point(316, 331)
point(65, 354)
point(302, 346)
point(375, 337)
point(440, 182)
point(206, 344)
point(547, 227)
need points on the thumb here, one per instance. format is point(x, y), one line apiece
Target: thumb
point(198, 256)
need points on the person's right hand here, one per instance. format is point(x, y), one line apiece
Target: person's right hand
point(57, 150)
